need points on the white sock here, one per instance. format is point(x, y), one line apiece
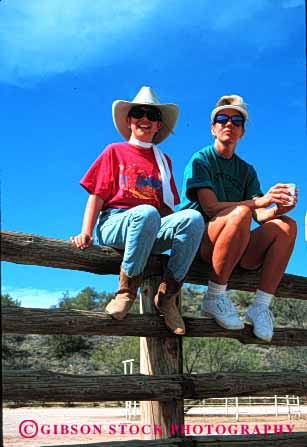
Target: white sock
point(263, 298)
point(215, 290)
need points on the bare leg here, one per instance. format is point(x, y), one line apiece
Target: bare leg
point(271, 246)
point(225, 240)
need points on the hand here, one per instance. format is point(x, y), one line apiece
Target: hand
point(278, 194)
point(83, 240)
point(283, 209)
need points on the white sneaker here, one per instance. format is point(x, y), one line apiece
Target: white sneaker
point(223, 311)
point(261, 318)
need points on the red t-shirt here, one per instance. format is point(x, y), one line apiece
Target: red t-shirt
point(124, 176)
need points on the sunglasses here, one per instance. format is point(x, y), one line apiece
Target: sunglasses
point(237, 120)
point(153, 114)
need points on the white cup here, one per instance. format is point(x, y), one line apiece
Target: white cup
point(291, 188)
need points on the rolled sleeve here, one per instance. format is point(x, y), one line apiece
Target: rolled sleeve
point(197, 175)
point(99, 178)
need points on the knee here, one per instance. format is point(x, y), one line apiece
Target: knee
point(240, 216)
point(193, 220)
point(286, 226)
point(147, 215)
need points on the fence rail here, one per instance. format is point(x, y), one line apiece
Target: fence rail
point(235, 406)
point(23, 248)
point(30, 384)
point(78, 322)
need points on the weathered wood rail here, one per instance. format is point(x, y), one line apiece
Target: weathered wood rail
point(26, 385)
point(18, 320)
point(162, 380)
point(22, 248)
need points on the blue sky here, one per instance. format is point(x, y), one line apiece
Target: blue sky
point(64, 63)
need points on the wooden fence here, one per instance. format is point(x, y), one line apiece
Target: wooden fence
point(161, 387)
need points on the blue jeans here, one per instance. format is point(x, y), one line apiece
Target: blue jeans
point(140, 231)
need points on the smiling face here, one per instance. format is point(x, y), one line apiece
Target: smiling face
point(227, 133)
point(143, 128)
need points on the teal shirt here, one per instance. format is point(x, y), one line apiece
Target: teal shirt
point(231, 180)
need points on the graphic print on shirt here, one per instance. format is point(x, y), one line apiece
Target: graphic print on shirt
point(134, 182)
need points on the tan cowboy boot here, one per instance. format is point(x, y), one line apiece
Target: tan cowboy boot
point(119, 306)
point(166, 302)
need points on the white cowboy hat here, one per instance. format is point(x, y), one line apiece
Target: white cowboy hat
point(146, 96)
point(234, 102)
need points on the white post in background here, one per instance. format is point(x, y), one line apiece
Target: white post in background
point(276, 405)
point(128, 404)
point(298, 406)
point(237, 408)
point(288, 407)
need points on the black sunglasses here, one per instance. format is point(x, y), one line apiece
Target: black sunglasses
point(237, 120)
point(153, 114)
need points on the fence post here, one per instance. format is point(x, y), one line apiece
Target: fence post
point(276, 405)
point(128, 403)
point(237, 408)
point(288, 407)
point(298, 406)
point(158, 356)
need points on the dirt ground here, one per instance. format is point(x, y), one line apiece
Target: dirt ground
point(64, 426)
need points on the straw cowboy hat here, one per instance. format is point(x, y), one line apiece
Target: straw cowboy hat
point(234, 102)
point(145, 97)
